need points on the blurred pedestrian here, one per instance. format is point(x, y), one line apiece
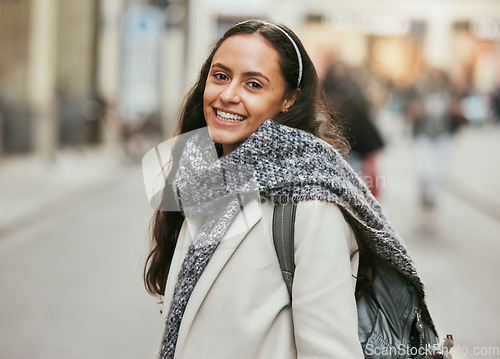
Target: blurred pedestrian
point(434, 110)
point(495, 99)
point(214, 260)
point(348, 100)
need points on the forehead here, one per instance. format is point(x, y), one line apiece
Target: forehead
point(249, 51)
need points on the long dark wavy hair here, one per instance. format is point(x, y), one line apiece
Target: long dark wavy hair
point(309, 113)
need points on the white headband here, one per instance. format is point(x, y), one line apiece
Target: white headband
point(289, 38)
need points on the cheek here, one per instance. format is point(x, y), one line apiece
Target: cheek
point(207, 101)
point(206, 97)
point(264, 106)
point(209, 94)
point(269, 110)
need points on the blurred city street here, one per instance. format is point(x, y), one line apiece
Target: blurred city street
point(74, 238)
point(87, 87)
point(72, 246)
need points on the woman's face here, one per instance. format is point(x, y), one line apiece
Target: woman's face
point(244, 88)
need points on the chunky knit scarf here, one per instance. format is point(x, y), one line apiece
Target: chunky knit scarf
point(282, 164)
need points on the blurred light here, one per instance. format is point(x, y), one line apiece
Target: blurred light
point(239, 7)
point(385, 25)
point(92, 110)
point(485, 28)
point(175, 14)
point(161, 3)
point(376, 24)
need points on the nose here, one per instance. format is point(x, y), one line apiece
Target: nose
point(231, 93)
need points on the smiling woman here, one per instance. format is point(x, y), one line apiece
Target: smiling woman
point(290, 66)
point(214, 260)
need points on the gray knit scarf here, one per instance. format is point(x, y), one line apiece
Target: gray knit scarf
point(281, 164)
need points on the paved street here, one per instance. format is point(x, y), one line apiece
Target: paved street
point(73, 238)
point(71, 277)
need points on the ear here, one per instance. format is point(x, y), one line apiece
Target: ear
point(290, 99)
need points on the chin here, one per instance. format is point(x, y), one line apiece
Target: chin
point(224, 138)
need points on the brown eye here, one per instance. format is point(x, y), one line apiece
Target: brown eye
point(220, 76)
point(254, 85)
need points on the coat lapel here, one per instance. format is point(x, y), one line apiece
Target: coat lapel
point(181, 250)
point(240, 227)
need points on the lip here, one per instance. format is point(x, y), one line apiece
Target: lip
point(225, 123)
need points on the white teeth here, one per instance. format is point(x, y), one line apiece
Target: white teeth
point(229, 117)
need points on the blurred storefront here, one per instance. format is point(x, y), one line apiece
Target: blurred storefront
point(14, 115)
point(386, 41)
point(47, 65)
point(63, 72)
point(64, 78)
point(476, 66)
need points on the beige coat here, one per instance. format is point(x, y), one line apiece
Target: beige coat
point(240, 307)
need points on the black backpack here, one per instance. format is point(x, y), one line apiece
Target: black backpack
point(390, 324)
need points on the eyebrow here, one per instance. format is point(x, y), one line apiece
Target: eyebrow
point(248, 73)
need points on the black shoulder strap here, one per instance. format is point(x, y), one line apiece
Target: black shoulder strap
point(368, 325)
point(283, 237)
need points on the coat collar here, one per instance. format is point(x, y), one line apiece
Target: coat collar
point(242, 224)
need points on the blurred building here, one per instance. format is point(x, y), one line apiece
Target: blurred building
point(68, 69)
point(71, 74)
point(47, 69)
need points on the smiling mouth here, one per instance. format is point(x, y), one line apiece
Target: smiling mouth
point(229, 117)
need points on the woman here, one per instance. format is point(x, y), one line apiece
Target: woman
point(258, 94)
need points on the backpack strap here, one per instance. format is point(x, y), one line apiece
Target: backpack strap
point(283, 237)
point(376, 310)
